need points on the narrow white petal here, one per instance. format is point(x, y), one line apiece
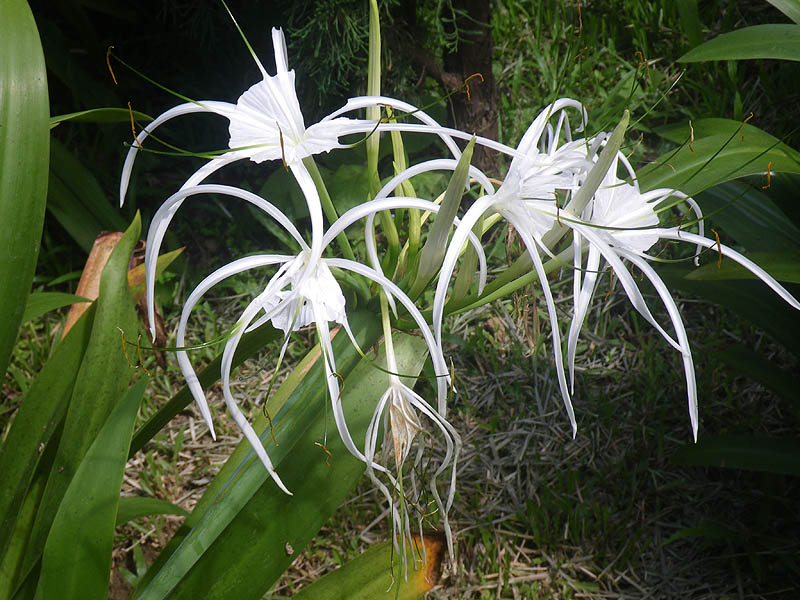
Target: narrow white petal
point(628, 284)
point(683, 236)
point(221, 108)
point(237, 266)
point(437, 358)
point(531, 245)
point(677, 322)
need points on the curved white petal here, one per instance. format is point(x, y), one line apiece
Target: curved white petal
point(677, 322)
point(532, 247)
point(628, 284)
point(683, 236)
point(221, 108)
point(237, 266)
point(437, 358)
point(227, 359)
point(581, 301)
point(163, 217)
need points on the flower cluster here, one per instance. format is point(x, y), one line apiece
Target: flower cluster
point(573, 201)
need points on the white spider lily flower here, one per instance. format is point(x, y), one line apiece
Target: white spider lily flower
point(302, 292)
point(267, 123)
point(621, 223)
point(527, 200)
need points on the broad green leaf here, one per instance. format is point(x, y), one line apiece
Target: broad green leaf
point(40, 303)
point(102, 381)
point(758, 41)
point(791, 8)
point(24, 154)
point(782, 266)
point(715, 159)
point(135, 507)
point(744, 451)
point(243, 474)
point(348, 186)
point(100, 115)
point(750, 217)
point(17, 533)
point(369, 575)
point(76, 200)
point(77, 557)
point(260, 532)
point(702, 128)
point(41, 410)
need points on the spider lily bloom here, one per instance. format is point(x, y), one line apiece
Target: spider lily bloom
point(527, 201)
point(302, 292)
point(622, 223)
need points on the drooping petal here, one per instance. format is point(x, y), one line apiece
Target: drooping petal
point(677, 323)
point(165, 213)
point(234, 268)
point(683, 236)
point(209, 106)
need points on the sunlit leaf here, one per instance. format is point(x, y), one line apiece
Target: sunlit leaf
point(24, 154)
point(369, 575)
point(758, 41)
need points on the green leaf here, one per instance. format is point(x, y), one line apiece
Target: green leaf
point(77, 201)
point(102, 381)
point(759, 41)
point(41, 411)
point(40, 303)
point(247, 499)
point(348, 186)
point(100, 115)
point(135, 507)
point(690, 20)
point(702, 128)
point(782, 266)
point(744, 451)
point(791, 8)
point(369, 575)
point(432, 253)
point(77, 557)
point(24, 154)
point(751, 299)
point(715, 159)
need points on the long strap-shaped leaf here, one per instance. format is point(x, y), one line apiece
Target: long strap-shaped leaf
point(102, 381)
point(261, 531)
point(41, 410)
point(77, 555)
point(24, 155)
